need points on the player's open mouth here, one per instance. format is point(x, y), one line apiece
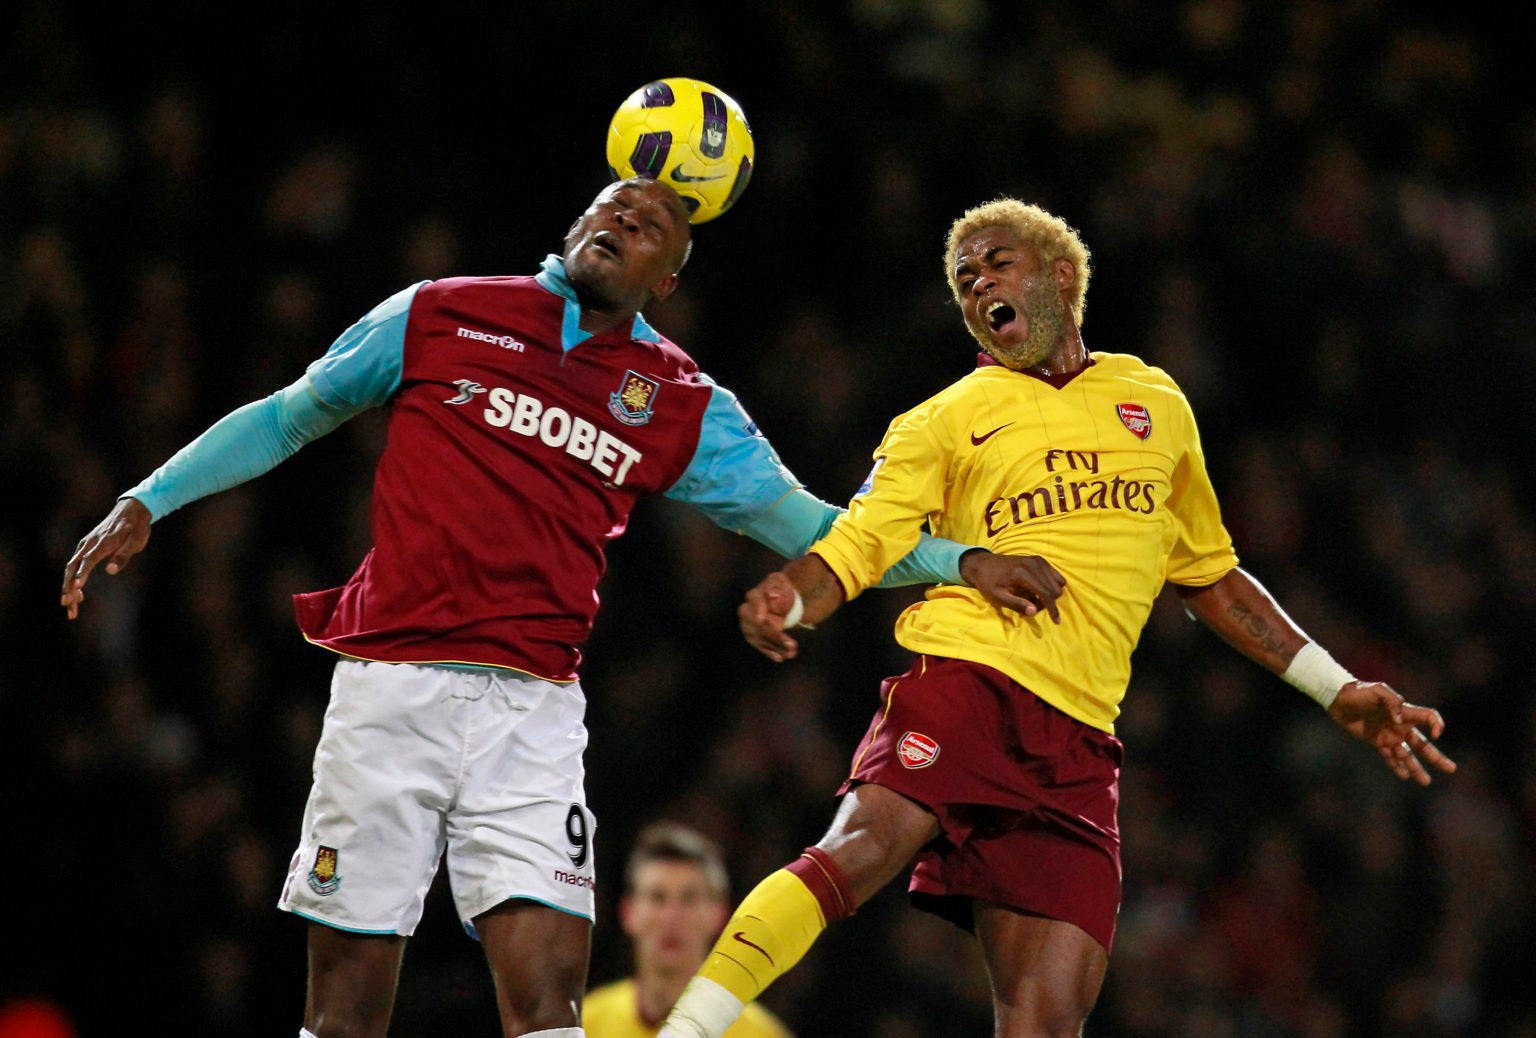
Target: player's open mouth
point(606, 243)
point(999, 315)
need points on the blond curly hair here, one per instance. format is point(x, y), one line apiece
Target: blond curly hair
point(1052, 235)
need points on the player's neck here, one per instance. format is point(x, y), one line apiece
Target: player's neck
point(598, 315)
point(1069, 357)
point(595, 322)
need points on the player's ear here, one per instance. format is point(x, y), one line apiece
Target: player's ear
point(1064, 273)
point(663, 288)
point(627, 915)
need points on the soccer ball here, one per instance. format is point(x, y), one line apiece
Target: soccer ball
point(689, 135)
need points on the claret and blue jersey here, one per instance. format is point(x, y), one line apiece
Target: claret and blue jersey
point(517, 445)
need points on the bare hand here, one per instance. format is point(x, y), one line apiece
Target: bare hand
point(117, 539)
point(762, 616)
point(1024, 583)
point(1373, 713)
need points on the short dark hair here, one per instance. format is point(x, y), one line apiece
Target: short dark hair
point(673, 841)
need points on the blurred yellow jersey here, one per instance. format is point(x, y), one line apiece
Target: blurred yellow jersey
point(1103, 477)
point(613, 1011)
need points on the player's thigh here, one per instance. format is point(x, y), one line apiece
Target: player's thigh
point(1046, 973)
point(874, 834)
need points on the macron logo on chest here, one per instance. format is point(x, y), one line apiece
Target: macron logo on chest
point(506, 342)
point(556, 427)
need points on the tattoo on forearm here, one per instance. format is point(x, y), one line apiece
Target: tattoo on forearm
point(1257, 627)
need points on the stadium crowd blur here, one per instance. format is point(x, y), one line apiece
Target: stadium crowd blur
point(1317, 216)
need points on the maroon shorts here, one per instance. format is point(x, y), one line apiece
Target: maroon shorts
point(1026, 796)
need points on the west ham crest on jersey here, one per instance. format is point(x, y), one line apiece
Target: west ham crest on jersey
point(323, 877)
point(1135, 418)
point(917, 750)
point(635, 401)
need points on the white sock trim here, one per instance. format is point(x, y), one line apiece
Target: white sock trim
point(305, 1032)
point(705, 1010)
point(558, 1032)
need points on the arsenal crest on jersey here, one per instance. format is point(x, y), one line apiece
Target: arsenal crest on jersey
point(635, 401)
point(1136, 418)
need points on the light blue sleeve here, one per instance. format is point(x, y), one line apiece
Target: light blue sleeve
point(735, 474)
point(362, 368)
point(738, 481)
point(800, 519)
point(934, 561)
point(242, 445)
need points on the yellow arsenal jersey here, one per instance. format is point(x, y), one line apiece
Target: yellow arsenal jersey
point(1103, 477)
point(613, 1011)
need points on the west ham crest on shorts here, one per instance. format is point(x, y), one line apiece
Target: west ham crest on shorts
point(1136, 418)
point(323, 877)
point(916, 750)
point(635, 401)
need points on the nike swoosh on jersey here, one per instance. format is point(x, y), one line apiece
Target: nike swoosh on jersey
point(739, 936)
point(683, 178)
point(977, 441)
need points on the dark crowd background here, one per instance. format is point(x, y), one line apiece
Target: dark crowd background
point(1317, 216)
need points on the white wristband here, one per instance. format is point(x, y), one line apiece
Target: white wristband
point(796, 612)
point(1317, 674)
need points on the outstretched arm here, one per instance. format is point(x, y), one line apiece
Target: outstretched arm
point(1246, 617)
point(806, 592)
point(799, 519)
point(360, 370)
point(737, 480)
point(240, 446)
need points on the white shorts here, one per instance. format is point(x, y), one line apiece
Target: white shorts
point(417, 761)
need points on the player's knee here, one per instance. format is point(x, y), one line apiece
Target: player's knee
point(875, 835)
point(1022, 1028)
point(1038, 1020)
point(549, 1015)
point(356, 1019)
point(551, 1002)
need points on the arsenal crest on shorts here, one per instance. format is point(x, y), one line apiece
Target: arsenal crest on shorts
point(1136, 418)
point(916, 750)
point(634, 403)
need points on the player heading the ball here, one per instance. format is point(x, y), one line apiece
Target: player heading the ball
point(689, 135)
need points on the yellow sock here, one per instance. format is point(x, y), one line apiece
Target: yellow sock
point(773, 928)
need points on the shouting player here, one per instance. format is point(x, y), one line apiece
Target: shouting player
point(527, 415)
point(993, 759)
